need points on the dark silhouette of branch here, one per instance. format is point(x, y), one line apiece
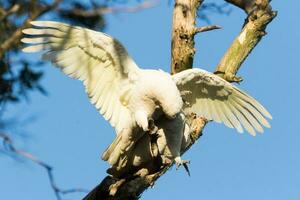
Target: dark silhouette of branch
point(9, 148)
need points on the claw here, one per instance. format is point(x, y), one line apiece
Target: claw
point(184, 163)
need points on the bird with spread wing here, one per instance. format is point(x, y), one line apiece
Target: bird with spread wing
point(131, 98)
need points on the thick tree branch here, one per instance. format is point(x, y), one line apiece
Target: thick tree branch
point(254, 29)
point(184, 20)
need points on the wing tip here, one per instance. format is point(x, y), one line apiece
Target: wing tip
point(269, 115)
point(27, 49)
point(27, 31)
point(252, 133)
point(23, 40)
point(41, 23)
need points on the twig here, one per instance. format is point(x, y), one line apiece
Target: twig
point(12, 10)
point(207, 28)
point(10, 148)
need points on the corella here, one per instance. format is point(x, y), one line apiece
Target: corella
point(136, 101)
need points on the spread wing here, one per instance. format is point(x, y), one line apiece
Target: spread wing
point(215, 99)
point(101, 62)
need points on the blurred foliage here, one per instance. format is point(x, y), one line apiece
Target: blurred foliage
point(208, 8)
point(18, 75)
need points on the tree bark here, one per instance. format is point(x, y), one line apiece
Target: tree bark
point(260, 15)
point(184, 20)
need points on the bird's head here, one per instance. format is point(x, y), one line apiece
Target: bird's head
point(172, 108)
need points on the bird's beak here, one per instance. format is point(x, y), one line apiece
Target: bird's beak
point(172, 116)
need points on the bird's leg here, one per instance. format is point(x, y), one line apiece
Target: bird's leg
point(184, 163)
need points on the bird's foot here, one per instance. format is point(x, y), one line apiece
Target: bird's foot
point(232, 78)
point(184, 163)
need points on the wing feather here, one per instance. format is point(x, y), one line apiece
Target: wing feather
point(214, 98)
point(234, 121)
point(95, 58)
point(224, 118)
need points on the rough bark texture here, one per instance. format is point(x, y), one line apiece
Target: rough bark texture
point(259, 16)
point(184, 18)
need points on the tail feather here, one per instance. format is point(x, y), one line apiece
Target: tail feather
point(108, 152)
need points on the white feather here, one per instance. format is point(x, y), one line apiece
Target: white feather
point(220, 101)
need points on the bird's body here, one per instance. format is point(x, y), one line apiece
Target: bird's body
point(147, 95)
point(131, 98)
point(143, 101)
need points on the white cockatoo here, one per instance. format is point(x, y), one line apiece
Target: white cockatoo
point(131, 98)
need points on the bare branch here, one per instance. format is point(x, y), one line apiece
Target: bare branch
point(254, 29)
point(207, 28)
point(10, 148)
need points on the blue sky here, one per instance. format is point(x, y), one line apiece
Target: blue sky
point(69, 134)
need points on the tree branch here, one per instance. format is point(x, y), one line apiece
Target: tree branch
point(9, 147)
point(15, 8)
point(207, 28)
point(254, 29)
point(183, 31)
